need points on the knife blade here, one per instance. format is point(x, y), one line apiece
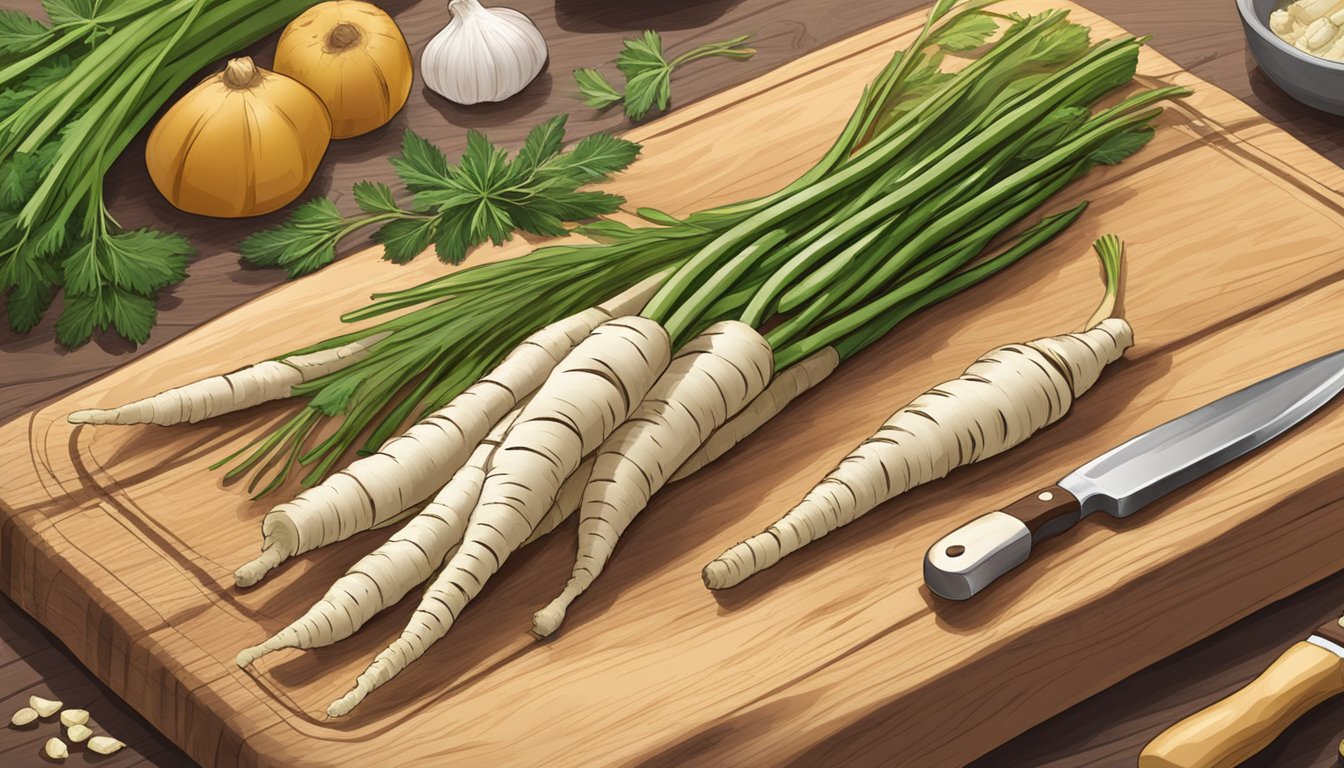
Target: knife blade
point(1123, 480)
point(1226, 733)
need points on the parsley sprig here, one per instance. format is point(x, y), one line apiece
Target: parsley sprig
point(454, 208)
point(648, 73)
point(73, 94)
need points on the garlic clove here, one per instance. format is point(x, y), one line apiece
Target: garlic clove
point(55, 749)
point(1281, 22)
point(78, 732)
point(44, 707)
point(104, 745)
point(71, 717)
point(483, 54)
point(1319, 34)
point(23, 717)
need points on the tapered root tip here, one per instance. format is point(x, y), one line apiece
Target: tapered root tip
point(718, 575)
point(90, 417)
point(249, 655)
point(252, 572)
point(343, 706)
point(548, 619)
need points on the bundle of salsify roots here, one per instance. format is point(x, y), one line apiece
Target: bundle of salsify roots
point(699, 330)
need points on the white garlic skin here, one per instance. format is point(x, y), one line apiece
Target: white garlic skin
point(484, 54)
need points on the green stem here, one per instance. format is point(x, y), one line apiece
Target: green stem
point(664, 305)
point(855, 332)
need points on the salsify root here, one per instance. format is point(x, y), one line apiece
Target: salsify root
point(244, 388)
point(784, 389)
point(385, 575)
point(709, 380)
point(411, 467)
point(592, 391)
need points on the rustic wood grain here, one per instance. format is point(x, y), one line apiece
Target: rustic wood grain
point(118, 545)
point(1203, 36)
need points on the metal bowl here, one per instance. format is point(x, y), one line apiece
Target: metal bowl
point(1311, 80)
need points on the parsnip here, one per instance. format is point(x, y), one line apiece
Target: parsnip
point(408, 469)
point(218, 395)
point(384, 576)
point(411, 467)
point(709, 380)
point(1002, 399)
point(784, 388)
point(566, 502)
point(590, 393)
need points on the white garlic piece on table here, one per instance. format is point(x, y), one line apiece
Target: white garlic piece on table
point(1281, 22)
point(71, 717)
point(44, 707)
point(78, 732)
point(104, 745)
point(55, 749)
point(484, 54)
point(23, 716)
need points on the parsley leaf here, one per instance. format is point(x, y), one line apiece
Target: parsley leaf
point(486, 196)
point(595, 90)
point(421, 165)
point(142, 261)
point(404, 239)
point(375, 197)
point(110, 282)
point(1121, 146)
point(967, 32)
point(648, 73)
point(20, 33)
point(595, 158)
point(62, 12)
point(303, 244)
point(29, 284)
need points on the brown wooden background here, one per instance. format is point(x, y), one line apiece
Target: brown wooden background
point(1203, 36)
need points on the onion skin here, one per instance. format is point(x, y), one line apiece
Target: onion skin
point(244, 142)
point(354, 57)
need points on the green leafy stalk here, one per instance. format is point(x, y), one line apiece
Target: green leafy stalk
point(454, 208)
point(648, 73)
point(931, 169)
point(72, 97)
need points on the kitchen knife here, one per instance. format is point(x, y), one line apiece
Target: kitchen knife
point(1121, 481)
point(1230, 731)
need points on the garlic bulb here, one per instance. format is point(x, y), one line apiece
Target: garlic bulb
point(484, 54)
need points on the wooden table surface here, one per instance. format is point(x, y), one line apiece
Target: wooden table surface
point(1203, 36)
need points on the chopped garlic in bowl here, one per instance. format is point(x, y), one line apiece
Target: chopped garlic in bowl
point(1313, 26)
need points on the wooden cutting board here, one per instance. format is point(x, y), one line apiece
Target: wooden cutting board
point(123, 543)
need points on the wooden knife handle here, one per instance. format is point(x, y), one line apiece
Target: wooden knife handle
point(1046, 512)
point(1228, 732)
point(970, 558)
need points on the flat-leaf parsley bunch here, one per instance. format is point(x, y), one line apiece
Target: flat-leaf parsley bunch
point(454, 208)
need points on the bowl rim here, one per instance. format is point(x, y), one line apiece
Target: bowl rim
point(1251, 19)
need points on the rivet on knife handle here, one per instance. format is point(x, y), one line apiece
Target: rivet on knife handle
point(970, 558)
point(1230, 731)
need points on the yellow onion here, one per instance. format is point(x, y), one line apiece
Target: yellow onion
point(244, 142)
point(354, 57)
